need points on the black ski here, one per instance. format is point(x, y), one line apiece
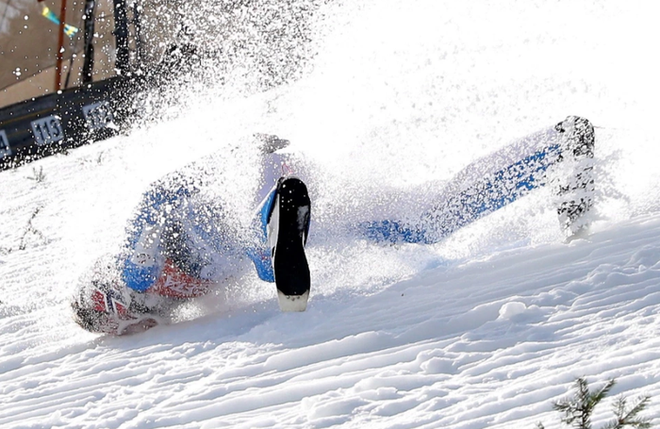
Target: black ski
point(288, 226)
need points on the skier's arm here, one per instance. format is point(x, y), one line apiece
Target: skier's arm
point(146, 266)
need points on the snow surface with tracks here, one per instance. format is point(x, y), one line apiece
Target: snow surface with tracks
point(483, 330)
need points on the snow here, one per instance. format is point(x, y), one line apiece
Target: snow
point(485, 329)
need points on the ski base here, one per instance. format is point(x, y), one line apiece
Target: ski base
point(288, 228)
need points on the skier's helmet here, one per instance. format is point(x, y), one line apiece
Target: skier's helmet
point(101, 301)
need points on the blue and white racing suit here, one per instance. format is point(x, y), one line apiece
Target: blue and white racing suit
point(181, 242)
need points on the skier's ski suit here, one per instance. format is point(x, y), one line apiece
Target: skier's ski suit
point(180, 244)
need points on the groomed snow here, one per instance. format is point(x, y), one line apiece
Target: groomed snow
point(483, 330)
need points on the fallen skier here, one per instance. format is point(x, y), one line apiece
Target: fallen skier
point(179, 245)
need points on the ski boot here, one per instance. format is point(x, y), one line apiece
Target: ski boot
point(576, 192)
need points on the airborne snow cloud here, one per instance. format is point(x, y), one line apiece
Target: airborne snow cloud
point(483, 330)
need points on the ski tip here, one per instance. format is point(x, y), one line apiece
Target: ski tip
point(292, 303)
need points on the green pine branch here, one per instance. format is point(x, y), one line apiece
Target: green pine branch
point(624, 417)
point(578, 409)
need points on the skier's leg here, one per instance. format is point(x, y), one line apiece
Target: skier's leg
point(275, 163)
point(494, 181)
point(280, 230)
point(282, 227)
point(482, 187)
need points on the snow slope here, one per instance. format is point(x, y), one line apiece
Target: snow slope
point(483, 330)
